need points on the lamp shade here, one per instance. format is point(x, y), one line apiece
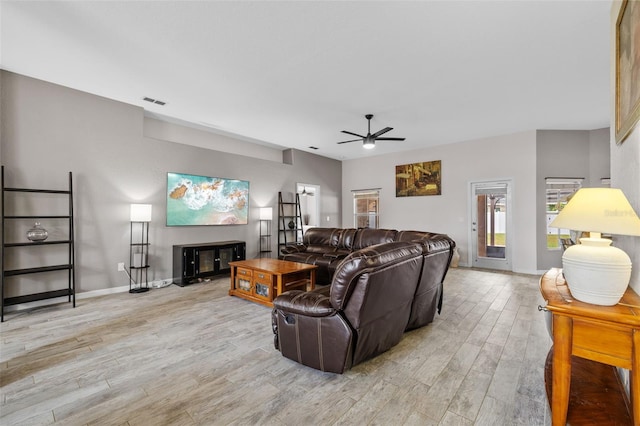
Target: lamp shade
point(266, 213)
point(604, 210)
point(140, 212)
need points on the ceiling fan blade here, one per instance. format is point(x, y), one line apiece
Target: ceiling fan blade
point(390, 139)
point(354, 134)
point(381, 132)
point(354, 140)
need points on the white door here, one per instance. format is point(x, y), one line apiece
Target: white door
point(309, 204)
point(491, 224)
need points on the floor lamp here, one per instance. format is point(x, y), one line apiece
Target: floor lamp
point(139, 249)
point(266, 216)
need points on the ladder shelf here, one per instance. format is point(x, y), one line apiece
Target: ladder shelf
point(8, 221)
point(289, 221)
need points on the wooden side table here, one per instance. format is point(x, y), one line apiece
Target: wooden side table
point(606, 334)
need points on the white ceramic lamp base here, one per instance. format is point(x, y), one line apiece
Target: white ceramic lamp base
point(596, 272)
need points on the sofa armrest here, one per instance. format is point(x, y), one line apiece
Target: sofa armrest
point(305, 303)
point(293, 248)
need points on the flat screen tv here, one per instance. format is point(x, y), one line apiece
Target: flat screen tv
point(204, 200)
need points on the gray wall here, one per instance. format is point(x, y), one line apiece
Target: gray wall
point(499, 157)
point(566, 153)
point(119, 157)
point(526, 158)
point(625, 162)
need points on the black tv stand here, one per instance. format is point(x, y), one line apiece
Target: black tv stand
point(193, 263)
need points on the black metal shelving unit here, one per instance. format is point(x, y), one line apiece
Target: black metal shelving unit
point(289, 221)
point(69, 266)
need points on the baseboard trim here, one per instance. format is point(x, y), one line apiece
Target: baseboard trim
point(102, 292)
point(79, 296)
point(86, 295)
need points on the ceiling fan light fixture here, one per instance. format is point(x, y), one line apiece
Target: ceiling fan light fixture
point(369, 141)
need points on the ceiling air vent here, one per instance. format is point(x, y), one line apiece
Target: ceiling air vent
point(154, 101)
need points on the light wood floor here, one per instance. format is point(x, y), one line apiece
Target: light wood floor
point(195, 355)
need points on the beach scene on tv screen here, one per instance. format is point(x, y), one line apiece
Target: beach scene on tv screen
point(203, 200)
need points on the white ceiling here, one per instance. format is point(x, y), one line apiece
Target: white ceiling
point(295, 73)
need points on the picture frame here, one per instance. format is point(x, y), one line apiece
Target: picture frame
point(627, 96)
point(419, 179)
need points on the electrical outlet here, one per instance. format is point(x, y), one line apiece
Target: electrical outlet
point(120, 266)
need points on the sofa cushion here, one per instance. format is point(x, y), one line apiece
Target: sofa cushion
point(354, 265)
point(437, 250)
point(326, 263)
point(346, 240)
point(366, 237)
point(431, 242)
point(412, 235)
point(309, 303)
point(321, 240)
point(293, 248)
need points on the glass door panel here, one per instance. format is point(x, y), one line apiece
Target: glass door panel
point(206, 261)
point(262, 290)
point(490, 218)
point(189, 263)
point(243, 284)
point(225, 256)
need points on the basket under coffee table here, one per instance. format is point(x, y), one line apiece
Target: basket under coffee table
point(261, 280)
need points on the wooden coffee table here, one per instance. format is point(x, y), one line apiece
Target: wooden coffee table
point(261, 280)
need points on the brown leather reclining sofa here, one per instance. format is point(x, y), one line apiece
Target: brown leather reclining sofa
point(328, 247)
point(378, 290)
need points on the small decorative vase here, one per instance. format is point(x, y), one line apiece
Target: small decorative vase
point(37, 233)
point(291, 224)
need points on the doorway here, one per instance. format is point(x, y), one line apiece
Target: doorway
point(491, 224)
point(309, 204)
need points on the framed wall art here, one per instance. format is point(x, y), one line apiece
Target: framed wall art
point(418, 179)
point(627, 101)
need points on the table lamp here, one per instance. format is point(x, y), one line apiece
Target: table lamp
point(595, 271)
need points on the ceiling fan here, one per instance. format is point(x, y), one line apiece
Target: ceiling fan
point(369, 141)
point(304, 192)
